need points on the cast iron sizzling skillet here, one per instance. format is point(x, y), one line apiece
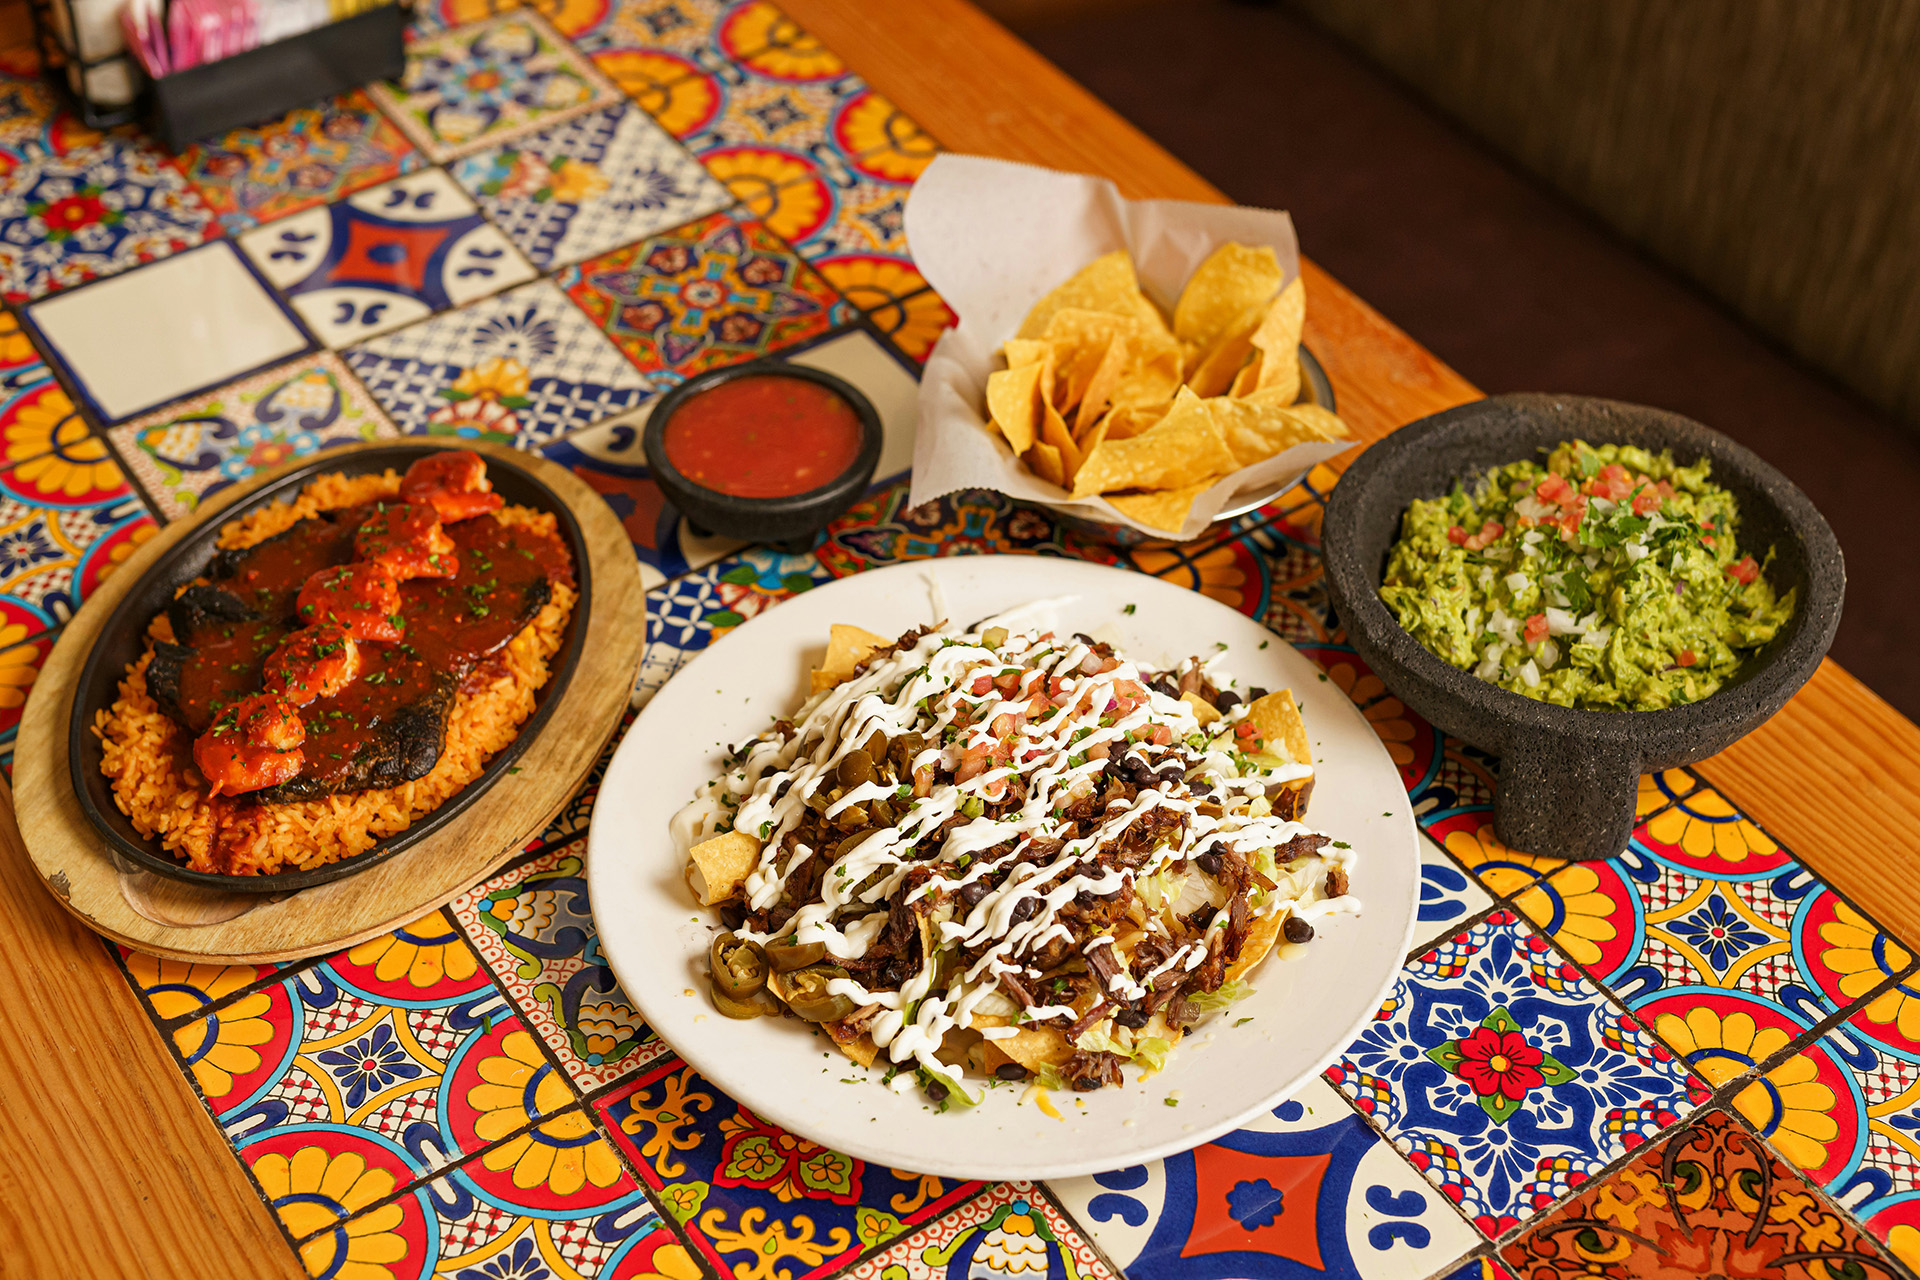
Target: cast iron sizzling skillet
point(124, 639)
point(1568, 777)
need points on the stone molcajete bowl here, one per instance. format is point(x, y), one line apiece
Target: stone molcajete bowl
point(1567, 777)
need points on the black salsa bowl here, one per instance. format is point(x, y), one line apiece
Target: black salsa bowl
point(123, 640)
point(1568, 777)
point(778, 520)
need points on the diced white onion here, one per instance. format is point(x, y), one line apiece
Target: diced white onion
point(1560, 622)
point(1636, 551)
point(1548, 653)
point(1489, 668)
point(1532, 508)
point(1530, 674)
point(1533, 537)
point(1516, 581)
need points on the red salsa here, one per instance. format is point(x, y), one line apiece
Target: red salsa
point(763, 436)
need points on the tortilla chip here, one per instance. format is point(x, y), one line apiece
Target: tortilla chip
point(1152, 377)
point(1081, 342)
point(1105, 284)
point(1248, 379)
point(1180, 450)
point(1235, 279)
point(1203, 711)
point(1213, 372)
point(1053, 430)
point(858, 1046)
point(1162, 508)
point(1129, 420)
point(1278, 722)
point(1255, 428)
point(1258, 945)
point(1099, 389)
point(1278, 340)
point(847, 647)
point(1013, 402)
point(1044, 461)
point(720, 865)
point(1033, 1047)
point(1025, 351)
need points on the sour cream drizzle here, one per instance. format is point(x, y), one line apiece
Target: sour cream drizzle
point(922, 690)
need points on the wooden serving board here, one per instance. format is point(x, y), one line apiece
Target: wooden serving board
point(168, 918)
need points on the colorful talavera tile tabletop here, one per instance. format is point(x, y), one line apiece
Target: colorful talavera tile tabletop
point(1696, 1058)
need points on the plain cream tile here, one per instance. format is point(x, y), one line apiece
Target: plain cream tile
point(166, 330)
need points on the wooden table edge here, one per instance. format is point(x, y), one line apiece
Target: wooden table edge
point(125, 1173)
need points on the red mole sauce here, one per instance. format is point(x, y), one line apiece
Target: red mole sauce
point(448, 626)
point(763, 436)
point(224, 667)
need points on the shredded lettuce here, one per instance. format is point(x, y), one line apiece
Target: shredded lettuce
point(1150, 1052)
point(1211, 1001)
point(1146, 1052)
point(957, 1094)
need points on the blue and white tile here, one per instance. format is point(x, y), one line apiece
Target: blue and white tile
point(385, 257)
point(1308, 1189)
point(1507, 1077)
point(594, 183)
point(191, 322)
point(71, 213)
point(1448, 896)
point(691, 612)
point(525, 367)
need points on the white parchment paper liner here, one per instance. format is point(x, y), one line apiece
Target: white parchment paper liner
point(993, 238)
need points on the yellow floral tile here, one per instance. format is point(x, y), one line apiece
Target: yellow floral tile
point(1470, 838)
point(1706, 825)
point(1658, 790)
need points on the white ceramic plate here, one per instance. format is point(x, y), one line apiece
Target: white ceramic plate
point(1306, 1007)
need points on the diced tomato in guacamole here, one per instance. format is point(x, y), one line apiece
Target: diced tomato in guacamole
point(1607, 577)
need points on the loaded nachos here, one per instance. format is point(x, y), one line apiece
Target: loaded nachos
point(1001, 854)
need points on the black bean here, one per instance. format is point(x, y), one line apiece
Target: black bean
point(1024, 911)
point(972, 893)
point(1226, 702)
point(1167, 685)
point(1297, 930)
point(1208, 859)
point(1171, 772)
point(936, 1091)
point(1201, 787)
point(1086, 1084)
point(1132, 1019)
point(1011, 1071)
point(1256, 693)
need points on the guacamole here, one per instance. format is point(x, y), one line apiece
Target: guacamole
point(1606, 579)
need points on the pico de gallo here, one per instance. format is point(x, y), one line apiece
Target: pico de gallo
point(1608, 578)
